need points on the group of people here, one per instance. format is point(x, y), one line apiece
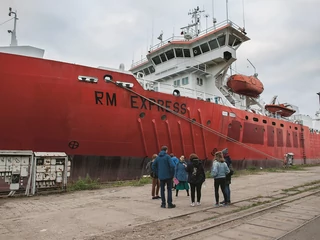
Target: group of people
point(168, 171)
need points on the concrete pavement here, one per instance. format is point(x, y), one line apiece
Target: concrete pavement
point(86, 214)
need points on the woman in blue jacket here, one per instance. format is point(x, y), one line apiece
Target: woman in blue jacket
point(219, 172)
point(182, 176)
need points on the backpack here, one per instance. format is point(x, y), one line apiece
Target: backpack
point(149, 169)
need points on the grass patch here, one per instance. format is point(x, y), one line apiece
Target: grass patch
point(135, 183)
point(84, 184)
point(90, 184)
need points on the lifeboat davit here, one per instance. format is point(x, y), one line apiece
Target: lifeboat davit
point(283, 110)
point(245, 85)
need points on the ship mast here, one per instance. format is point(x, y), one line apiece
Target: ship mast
point(14, 41)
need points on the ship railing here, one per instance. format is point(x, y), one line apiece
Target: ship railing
point(181, 38)
point(180, 91)
point(203, 32)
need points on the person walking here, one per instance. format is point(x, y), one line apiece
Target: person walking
point(164, 167)
point(182, 176)
point(228, 176)
point(155, 187)
point(196, 177)
point(219, 172)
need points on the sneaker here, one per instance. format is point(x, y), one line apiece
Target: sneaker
point(222, 202)
point(154, 198)
point(163, 206)
point(171, 206)
point(217, 205)
point(198, 203)
point(192, 204)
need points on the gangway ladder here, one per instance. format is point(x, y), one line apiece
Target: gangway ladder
point(302, 145)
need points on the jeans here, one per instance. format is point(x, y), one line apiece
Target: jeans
point(163, 183)
point(222, 183)
point(227, 190)
point(195, 187)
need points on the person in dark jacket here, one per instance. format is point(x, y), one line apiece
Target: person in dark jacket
point(228, 176)
point(164, 167)
point(155, 180)
point(196, 177)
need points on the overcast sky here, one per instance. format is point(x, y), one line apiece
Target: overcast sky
point(284, 45)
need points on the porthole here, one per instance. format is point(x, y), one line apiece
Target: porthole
point(108, 78)
point(273, 123)
point(255, 119)
point(141, 115)
point(264, 121)
point(247, 117)
point(281, 125)
point(163, 117)
point(295, 128)
point(290, 127)
point(208, 123)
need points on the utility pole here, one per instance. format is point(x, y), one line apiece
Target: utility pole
point(14, 41)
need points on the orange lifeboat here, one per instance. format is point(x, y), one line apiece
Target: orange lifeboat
point(245, 85)
point(283, 110)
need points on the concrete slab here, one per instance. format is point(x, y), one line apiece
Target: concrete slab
point(237, 233)
point(273, 224)
point(260, 230)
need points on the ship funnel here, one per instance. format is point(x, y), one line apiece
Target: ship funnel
point(121, 67)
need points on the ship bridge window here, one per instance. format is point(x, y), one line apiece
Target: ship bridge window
point(163, 57)
point(156, 60)
point(185, 81)
point(222, 40)
point(196, 51)
point(213, 44)
point(170, 54)
point(205, 47)
point(186, 53)
point(179, 52)
point(146, 71)
point(151, 69)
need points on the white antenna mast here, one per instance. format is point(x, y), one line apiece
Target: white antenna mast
point(152, 33)
point(13, 32)
point(227, 10)
point(244, 24)
point(214, 20)
point(206, 16)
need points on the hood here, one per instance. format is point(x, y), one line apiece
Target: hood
point(195, 162)
point(162, 153)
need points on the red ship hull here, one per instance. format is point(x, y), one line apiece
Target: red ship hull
point(110, 132)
